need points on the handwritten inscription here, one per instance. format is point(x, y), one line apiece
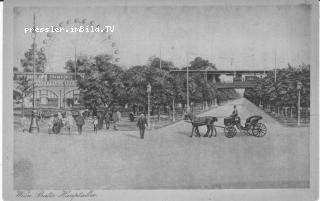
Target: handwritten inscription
point(68, 194)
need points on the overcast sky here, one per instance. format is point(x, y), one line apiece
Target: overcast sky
point(238, 37)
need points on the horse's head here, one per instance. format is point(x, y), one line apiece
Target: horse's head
point(188, 116)
point(215, 119)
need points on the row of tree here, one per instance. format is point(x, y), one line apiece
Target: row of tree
point(107, 84)
point(281, 90)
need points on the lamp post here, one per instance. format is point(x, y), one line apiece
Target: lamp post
point(188, 108)
point(299, 86)
point(34, 125)
point(149, 92)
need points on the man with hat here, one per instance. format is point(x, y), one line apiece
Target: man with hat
point(80, 122)
point(142, 124)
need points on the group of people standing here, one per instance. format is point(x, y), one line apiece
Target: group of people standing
point(68, 120)
point(56, 122)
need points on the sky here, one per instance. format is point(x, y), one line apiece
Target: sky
point(233, 37)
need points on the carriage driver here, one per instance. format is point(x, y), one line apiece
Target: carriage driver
point(235, 111)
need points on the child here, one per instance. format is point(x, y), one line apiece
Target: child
point(95, 124)
point(50, 124)
point(68, 121)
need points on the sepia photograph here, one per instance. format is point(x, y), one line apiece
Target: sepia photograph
point(214, 96)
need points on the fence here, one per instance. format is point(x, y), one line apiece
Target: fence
point(288, 115)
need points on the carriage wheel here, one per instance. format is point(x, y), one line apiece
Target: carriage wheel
point(259, 130)
point(230, 131)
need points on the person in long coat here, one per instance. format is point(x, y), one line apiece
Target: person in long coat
point(80, 122)
point(115, 120)
point(142, 124)
point(107, 120)
point(100, 120)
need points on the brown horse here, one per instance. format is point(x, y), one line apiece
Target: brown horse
point(201, 121)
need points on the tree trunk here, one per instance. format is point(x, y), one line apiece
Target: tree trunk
point(173, 111)
point(22, 109)
point(306, 115)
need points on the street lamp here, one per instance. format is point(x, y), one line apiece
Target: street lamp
point(33, 126)
point(149, 92)
point(188, 108)
point(299, 86)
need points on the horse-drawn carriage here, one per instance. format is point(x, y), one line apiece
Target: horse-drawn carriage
point(252, 125)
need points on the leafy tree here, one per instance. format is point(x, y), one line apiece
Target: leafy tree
point(24, 87)
point(154, 62)
point(102, 85)
point(162, 93)
point(84, 64)
point(284, 91)
point(200, 64)
point(40, 60)
point(137, 78)
point(135, 82)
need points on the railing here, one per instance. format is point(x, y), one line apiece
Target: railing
point(56, 83)
point(47, 76)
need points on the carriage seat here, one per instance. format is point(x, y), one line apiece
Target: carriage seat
point(253, 119)
point(228, 120)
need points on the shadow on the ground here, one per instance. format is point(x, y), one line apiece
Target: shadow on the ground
point(184, 133)
point(132, 136)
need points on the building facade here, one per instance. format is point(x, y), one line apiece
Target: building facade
point(52, 90)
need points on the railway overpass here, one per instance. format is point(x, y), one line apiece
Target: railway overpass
point(221, 72)
point(239, 77)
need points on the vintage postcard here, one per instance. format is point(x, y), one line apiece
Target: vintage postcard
point(161, 100)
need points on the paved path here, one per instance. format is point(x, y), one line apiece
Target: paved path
point(166, 158)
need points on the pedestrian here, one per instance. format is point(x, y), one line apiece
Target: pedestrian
point(57, 124)
point(107, 120)
point(68, 121)
point(80, 122)
point(50, 124)
point(142, 124)
point(131, 116)
point(24, 124)
point(119, 115)
point(115, 120)
point(100, 120)
point(95, 124)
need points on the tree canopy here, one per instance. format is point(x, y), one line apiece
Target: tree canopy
point(40, 60)
point(284, 91)
point(102, 83)
point(107, 84)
